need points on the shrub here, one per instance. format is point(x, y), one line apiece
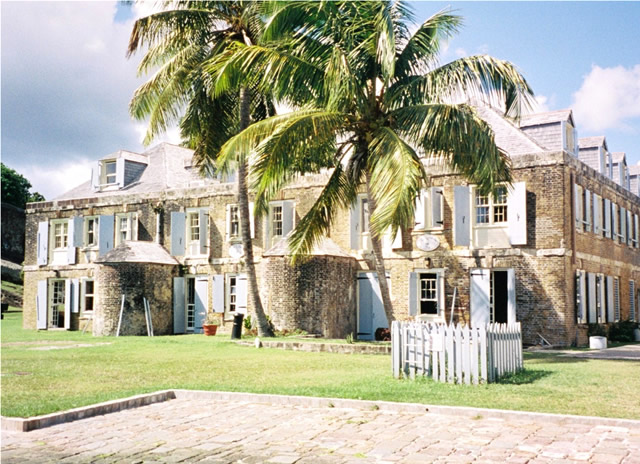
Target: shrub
point(622, 331)
point(597, 330)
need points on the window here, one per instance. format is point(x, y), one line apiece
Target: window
point(429, 294)
point(280, 221)
point(88, 294)
point(492, 209)
point(234, 221)
point(57, 304)
point(110, 172)
point(126, 227)
point(276, 221)
point(632, 300)
point(91, 231)
point(232, 294)
point(60, 233)
point(194, 227)
point(123, 229)
point(191, 303)
point(616, 299)
point(426, 293)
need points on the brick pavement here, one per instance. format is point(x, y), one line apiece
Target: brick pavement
point(257, 430)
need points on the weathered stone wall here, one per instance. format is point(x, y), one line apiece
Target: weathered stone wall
point(13, 230)
point(136, 281)
point(318, 296)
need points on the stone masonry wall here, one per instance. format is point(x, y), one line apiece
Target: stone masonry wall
point(318, 296)
point(136, 281)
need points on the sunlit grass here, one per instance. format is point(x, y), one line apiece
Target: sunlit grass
point(37, 382)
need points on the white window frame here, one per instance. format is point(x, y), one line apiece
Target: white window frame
point(632, 300)
point(84, 296)
point(273, 238)
point(107, 176)
point(53, 304)
point(491, 206)
point(439, 288)
point(235, 232)
point(231, 295)
point(64, 236)
point(192, 245)
point(129, 231)
point(95, 220)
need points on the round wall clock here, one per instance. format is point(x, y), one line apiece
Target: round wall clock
point(428, 242)
point(236, 251)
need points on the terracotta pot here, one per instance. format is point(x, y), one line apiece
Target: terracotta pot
point(210, 329)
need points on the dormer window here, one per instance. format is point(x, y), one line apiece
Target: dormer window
point(110, 172)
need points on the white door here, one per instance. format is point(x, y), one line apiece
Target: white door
point(480, 290)
point(371, 314)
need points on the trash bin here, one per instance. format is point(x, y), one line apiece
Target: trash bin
point(236, 332)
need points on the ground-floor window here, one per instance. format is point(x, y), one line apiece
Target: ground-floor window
point(426, 293)
point(232, 294)
point(191, 302)
point(57, 303)
point(87, 295)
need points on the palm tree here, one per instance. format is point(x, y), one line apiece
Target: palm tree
point(182, 41)
point(380, 102)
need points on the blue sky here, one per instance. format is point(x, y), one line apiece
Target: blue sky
point(66, 82)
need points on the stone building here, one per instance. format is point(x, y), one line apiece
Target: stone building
point(556, 250)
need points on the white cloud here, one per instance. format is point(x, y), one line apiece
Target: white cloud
point(461, 52)
point(52, 181)
point(543, 103)
point(608, 98)
point(171, 135)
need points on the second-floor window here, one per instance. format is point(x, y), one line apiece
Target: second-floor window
point(123, 229)
point(110, 172)
point(492, 209)
point(91, 232)
point(194, 227)
point(234, 218)
point(276, 221)
point(61, 231)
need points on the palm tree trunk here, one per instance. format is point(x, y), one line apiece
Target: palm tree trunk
point(264, 329)
point(376, 246)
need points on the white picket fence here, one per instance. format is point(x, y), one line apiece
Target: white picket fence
point(455, 354)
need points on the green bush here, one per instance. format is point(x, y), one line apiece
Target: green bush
point(597, 330)
point(622, 331)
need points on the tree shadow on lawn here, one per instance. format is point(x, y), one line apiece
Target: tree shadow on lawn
point(525, 376)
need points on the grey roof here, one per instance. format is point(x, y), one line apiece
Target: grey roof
point(546, 118)
point(138, 252)
point(508, 136)
point(169, 167)
point(591, 142)
point(618, 157)
point(326, 247)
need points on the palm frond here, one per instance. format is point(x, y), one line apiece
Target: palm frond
point(420, 53)
point(396, 176)
point(300, 144)
point(457, 135)
point(483, 78)
point(338, 192)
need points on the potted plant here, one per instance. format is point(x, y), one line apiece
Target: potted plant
point(211, 323)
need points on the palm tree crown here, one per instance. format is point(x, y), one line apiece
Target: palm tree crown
point(372, 101)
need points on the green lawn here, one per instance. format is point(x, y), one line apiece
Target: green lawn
point(37, 382)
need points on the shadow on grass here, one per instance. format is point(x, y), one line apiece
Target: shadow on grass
point(552, 358)
point(523, 377)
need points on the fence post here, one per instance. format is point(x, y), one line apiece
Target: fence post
point(451, 365)
point(483, 353)
point(474, 355)
point(490, 353)
point(434, 354)
point(395, 349)
point(458, 354)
